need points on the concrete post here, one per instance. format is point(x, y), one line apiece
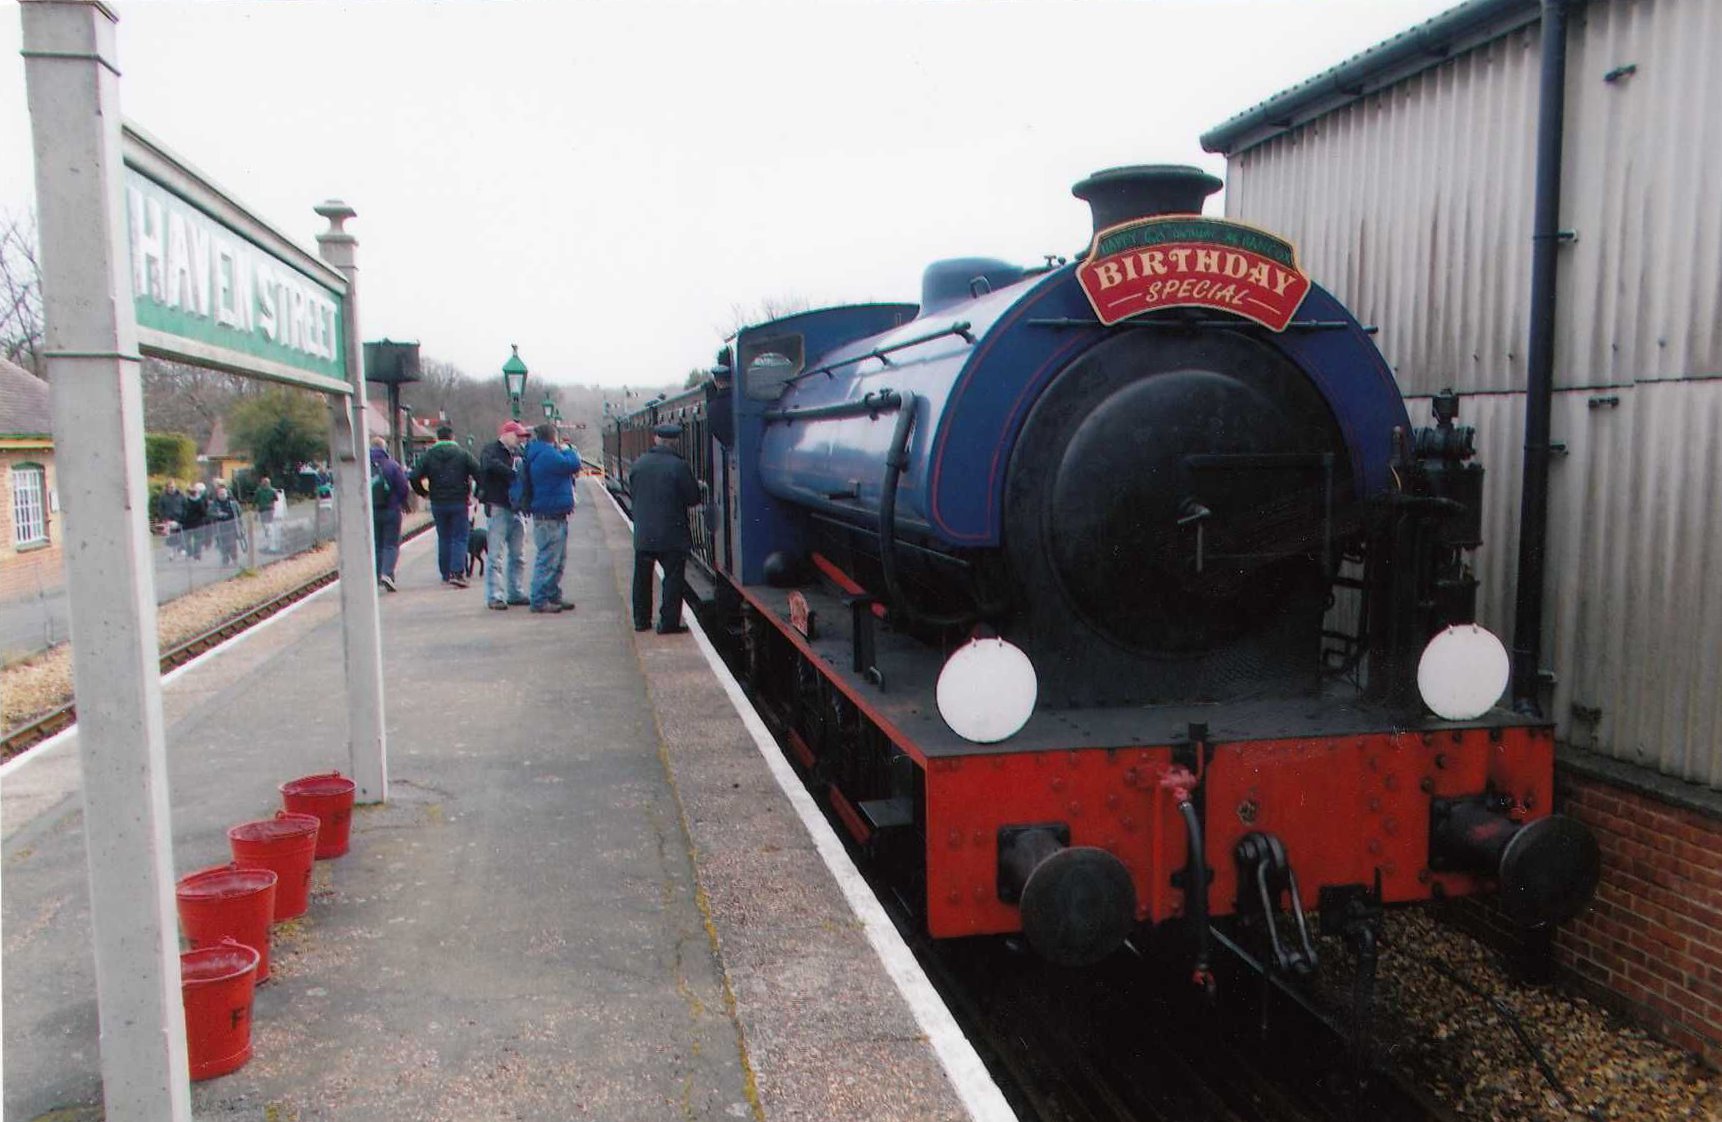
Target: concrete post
point(91, 349)
point(351, 448)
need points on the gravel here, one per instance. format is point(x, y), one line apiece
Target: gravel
point(44, 682)
point(1460, 1046)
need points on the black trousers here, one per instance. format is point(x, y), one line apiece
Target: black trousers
point(674, 561)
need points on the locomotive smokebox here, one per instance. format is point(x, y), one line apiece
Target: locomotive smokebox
point(1547, 868)
point(1119, 195)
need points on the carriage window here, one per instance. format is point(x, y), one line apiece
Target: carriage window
point(769, 363)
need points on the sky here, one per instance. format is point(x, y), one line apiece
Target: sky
point(612, 185)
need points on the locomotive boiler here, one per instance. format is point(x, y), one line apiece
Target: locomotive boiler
point(1111, 592)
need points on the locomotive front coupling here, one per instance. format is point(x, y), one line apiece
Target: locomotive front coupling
point(1547, 868)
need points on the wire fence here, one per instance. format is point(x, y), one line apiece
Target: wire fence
point(185, 561)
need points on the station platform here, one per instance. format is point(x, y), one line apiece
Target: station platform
point(589, 896)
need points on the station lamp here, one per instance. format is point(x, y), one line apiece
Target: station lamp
point(514, 379)
point(550, 411)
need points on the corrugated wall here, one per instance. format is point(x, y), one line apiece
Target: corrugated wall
point(1414, 205)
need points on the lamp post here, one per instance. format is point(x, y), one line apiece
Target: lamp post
point(514, 379)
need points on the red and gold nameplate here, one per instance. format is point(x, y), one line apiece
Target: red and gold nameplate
point(1185, 261)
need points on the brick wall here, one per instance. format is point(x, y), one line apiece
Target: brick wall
point(25, 573)
point(1651, 942)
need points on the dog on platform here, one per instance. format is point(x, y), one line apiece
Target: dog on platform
point(477, 548)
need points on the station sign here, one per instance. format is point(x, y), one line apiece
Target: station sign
point(236, 296)
point(1186, 261)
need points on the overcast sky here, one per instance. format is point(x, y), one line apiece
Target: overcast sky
point(606, 183)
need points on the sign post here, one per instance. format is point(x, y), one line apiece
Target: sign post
point(350, 447)
point(92, 356)
point(141, 255)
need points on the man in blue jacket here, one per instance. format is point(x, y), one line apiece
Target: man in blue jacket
point(544, 489)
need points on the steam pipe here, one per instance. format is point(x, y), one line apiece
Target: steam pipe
point(1540, 359)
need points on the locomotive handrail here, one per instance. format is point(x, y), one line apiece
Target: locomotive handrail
point(873, 404)
point(961, 327)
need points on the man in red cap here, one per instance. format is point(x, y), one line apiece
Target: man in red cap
point(498, 463)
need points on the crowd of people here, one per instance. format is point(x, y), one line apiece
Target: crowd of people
point(521, 484)
point(198, 520)
point(525, 478)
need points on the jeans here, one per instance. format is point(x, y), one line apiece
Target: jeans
point(675, 563)
point(451, 531)
point(550, 545)
point(507, 539)
point(387, 524)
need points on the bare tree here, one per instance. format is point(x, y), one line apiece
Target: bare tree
point(20, 293)
point(189, 399)
point(768, 309)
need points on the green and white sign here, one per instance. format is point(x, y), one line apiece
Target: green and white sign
point(205, 293)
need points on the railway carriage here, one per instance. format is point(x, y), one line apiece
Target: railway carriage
point(1102, 594)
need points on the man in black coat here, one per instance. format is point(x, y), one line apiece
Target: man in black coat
point(663, 488)
point(498, 463)
point(445, 475)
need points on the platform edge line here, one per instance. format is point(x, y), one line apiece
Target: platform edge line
point(974, 1085)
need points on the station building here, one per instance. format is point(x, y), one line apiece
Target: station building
point(30, 553)
point(1405, 177)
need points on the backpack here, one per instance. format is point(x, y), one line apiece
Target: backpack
point(380, 488)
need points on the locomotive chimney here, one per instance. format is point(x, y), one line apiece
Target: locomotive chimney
point(1121, 194)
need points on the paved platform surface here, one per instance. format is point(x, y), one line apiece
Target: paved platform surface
point(585, 898)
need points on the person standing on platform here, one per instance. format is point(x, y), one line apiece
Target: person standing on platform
point(171, 508)
point(498, 464)
point(264, 500)
point(390, 493)
point(544, 490)
point(194, 522)
point(663, 488)
point(224, 515)
point(445, 474)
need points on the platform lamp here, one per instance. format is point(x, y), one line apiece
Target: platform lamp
point(393, 365)
point(514, 379)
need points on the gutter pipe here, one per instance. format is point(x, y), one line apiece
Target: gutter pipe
point(1546, 240)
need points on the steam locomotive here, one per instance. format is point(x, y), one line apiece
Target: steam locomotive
point(1121, 591)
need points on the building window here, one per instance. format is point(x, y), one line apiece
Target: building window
point(29, 505)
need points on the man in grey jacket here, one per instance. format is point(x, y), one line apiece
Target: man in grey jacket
point(663, 488)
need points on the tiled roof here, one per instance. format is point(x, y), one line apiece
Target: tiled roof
point(24, 403)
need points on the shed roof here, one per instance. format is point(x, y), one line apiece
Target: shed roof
point(1413, 51)
point(25, 403)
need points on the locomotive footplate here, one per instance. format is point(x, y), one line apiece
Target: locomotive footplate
point(1345, 806)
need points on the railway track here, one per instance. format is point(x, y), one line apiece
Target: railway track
point(27, 736)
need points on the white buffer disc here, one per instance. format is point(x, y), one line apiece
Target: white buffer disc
point(1463, 672)
point(987, 690)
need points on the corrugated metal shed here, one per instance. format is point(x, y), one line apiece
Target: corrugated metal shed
point(1409, 194)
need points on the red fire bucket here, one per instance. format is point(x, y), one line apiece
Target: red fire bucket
point(285, 844)
point(216, 984)
point(330, 798)
point(229, 902)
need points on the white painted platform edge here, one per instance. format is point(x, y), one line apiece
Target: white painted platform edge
point(974, 1085)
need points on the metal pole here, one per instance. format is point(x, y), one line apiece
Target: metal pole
point(1540, 362)
point(362, 632)
point(72, 78)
